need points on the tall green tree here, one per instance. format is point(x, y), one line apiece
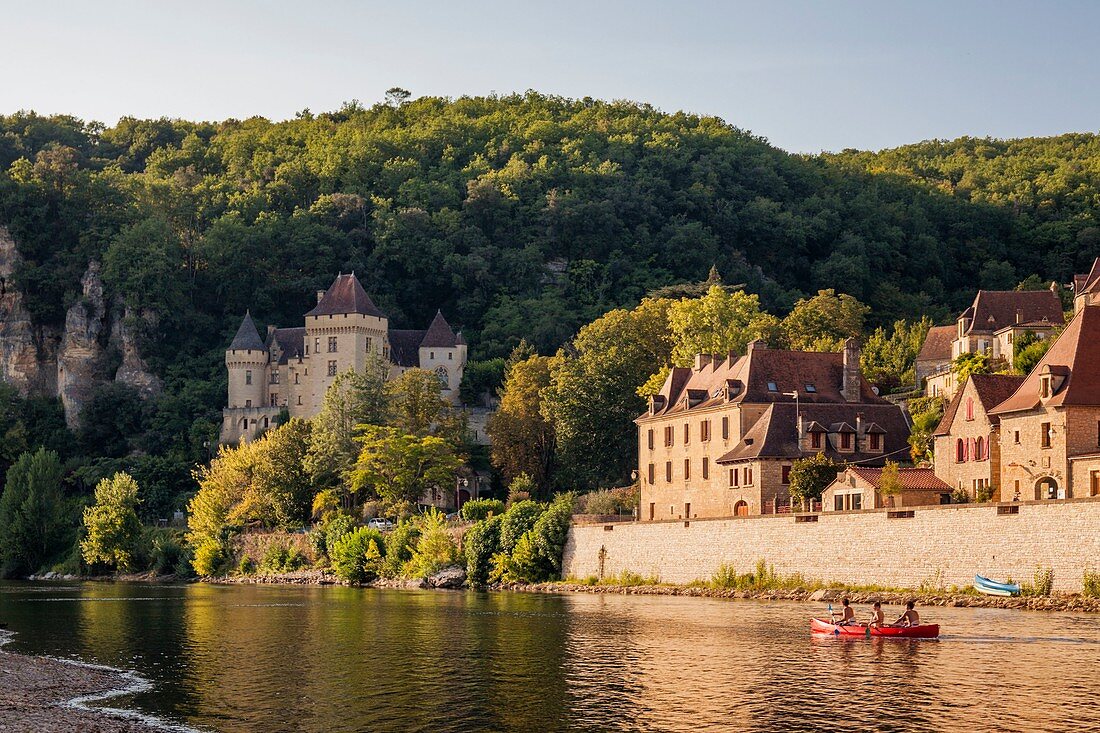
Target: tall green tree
point(522, 436)
point(35, 525)
point(824, 322)
point(112, 526)
point(400, 468)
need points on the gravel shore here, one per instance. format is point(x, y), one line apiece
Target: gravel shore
point(38, 694)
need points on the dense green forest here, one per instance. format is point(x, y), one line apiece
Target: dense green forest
point(526, 215)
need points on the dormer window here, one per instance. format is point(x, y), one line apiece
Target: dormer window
point(772, 387)
point(1045, 387)
point(811, 388)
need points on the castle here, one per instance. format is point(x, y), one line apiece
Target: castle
point(294, 367)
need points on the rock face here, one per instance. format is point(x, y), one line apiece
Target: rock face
point(27, 352)
point(97, 344)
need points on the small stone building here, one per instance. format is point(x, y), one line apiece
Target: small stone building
point(934, 358)
point(1050, 425)
point(857, 487)
point(967, 440)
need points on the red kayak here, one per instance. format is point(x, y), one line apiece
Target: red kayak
point(820, 627)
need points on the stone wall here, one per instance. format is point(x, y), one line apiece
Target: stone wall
point(939, 545)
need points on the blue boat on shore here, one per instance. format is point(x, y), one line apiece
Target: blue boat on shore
point(993, 588)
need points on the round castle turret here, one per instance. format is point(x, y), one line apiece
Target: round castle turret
point(247, 361)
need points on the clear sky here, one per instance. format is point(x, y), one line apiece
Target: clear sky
point(808, 76)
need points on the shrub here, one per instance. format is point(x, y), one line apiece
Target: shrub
point(478, 509)
point(399, 547)
point(326, 504)
point(247, 566)
point(960, 496)
point(537, 555)
point(280, 557)
point(984, 494)
point(435, 549)
point(1043, 582)
point(1091, 584)
point(336, 528)
point(517, 521)
point(521, 489)
point(209, 558)
point(357, 556)
point(481, 542)
point(608, 501)
point(165, 551)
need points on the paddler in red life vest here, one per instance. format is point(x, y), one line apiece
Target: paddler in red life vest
point(847, 614)
point(909, 618)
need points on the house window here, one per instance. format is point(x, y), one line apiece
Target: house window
point(785, 475)
point(668, 436)
point(1094, 483)
point(1098, 434)
point(815, 440)
point(748, 475)
point(845, 441)
point(248, 403)
point(1045, 438)
point(875, 441)
point(960, 450)
point(687, 433)
point(969, 408)
point(332, 368)
point(248, 376)
point(652, 474)
point(650, 436)
point(772, 387)
point(811, 388)
point(1044, 387)
point(979, 449)
point(726, 428)
point(847, 502)
point(687, 469)
point(332, 344)
point(1016, 435)
point(733, 477)
point(668, 472)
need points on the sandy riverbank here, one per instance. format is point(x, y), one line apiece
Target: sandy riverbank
point(47, 695)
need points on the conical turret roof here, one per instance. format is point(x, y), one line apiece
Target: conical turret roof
point(439, 333)
point(247, 336)
point(345, 295)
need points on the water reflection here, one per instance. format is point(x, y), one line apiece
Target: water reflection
point(334, 659)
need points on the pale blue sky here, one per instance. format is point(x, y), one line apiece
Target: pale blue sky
point(806, 75)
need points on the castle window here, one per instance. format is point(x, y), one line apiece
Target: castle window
point(274, 376)
point(706, 468)
point(815, 440)
point(733, 477)
point(299, 399)
point(748, 475)
point(332, 368)
point(368, 343)
point(651, 474)
point(296, 380)
point(248, 403)
point(845, 441)
point(431, 355)
point(332, 344)
point(704, 430)
point(274, 399)
point(668, 436)
point(876, 441)
point(785, 475)
point(687, 469)
point(317, 345)
point(979, 450)
point(444, 380)
point(248, 376)
point(450, 355)
point(668, 472)
point(687, 433)
point(960, 450)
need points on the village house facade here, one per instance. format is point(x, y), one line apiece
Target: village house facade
point(720, 438)
point(859, 487)
point(968, 440)
point(293, 367)
point(1050, 425)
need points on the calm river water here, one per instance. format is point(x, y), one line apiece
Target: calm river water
point(281, 658)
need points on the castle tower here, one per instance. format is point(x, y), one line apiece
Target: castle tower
point(444, 353)
point(246, 361)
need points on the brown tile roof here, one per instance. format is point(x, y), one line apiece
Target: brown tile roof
point(937, 344)
point(746, 379)
point(247, 336)
point(439, 334)
point(992, 390)
point(775, 434)
point(405, 347)
point(1075, 354)
point(290, 343)
point(345, 295)
point(1089, 283)
point(995, 309)
point(911, 478)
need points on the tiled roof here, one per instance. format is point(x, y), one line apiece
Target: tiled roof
point(405, 347)
point(1075, 355)
point(1088, 283)
point(995, 309)
point(991, 389)
point(747, 379)
point(775, 434)
point(439, 334)
point(247, 336)
point(937, 344)
point(911, 478)
point(291, 343)
point(345, 295)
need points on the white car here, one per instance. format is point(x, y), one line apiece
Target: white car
point(380, 524)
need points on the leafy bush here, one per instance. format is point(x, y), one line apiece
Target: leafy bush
point(1091, 585)
point(435, 548)
point(1042, 584)
point(608, 501)
point(522, 488)
point(336, 528)
point(984, 494)
point(399, 547)
point(960, 496)
point(111, 526)
point(481, 542)
point(162, 551)
point(280, 557)
point(357, 556)
point(517, 521)
point(537, 555)
point(478, 509)
point(247, 566)
point(209, 558)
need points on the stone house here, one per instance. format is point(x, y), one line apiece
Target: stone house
point(934, 359)
point(720, 437)
point(967, 442)
point(857, 487)
point(294, 367)
point(1050, 425)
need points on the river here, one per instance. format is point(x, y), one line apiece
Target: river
point(289, 658)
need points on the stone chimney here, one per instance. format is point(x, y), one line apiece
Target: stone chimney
point(270, 333)
point(859, 429)
point(701, 361)
point(320, 294)
point(849, 386)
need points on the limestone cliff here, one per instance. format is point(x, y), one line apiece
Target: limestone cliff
point(133, 370)
point(83, 361)
point(27, 352)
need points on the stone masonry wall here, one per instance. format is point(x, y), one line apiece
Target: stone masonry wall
point(942, 545)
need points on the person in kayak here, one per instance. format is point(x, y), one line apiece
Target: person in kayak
point(909, 618)
point(877, 619)
point(847, 614)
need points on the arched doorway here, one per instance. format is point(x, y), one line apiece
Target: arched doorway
point(1048, 488)
point(463, 497)
point(740, 509)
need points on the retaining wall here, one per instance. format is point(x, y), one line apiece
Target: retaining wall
point(938, 544)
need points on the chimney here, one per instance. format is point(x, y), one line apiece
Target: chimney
point(756, 344)
point(701, 360)
point(859, 428)
point(849, 386)
point(270, 333)
point(1017, 316)
point(320, 294)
